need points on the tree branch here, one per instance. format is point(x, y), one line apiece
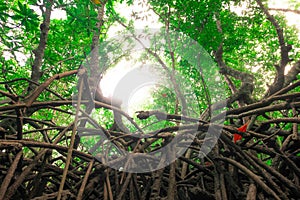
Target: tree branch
point(292, 74)
point(284, 51)
point(246, 89)
point(286, 10)
point(36, 72)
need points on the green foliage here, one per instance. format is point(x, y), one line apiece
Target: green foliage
point(27, 17)
point(250, 41)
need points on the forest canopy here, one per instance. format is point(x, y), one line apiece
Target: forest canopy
point(106, 99)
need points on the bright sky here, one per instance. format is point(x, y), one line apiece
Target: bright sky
point(293, 19)
point(135, 99)
point(132, 84)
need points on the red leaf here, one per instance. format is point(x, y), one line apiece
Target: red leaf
point(236, 136)
point(243, 128)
